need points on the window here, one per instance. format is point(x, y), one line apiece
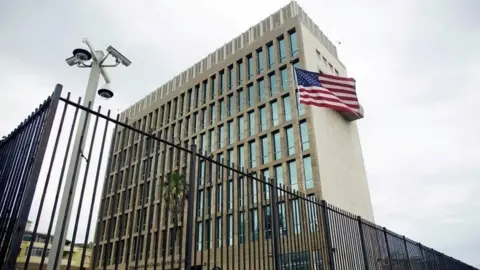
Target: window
point(277, 147)
point(241, 191)
point(253, 184)
point(336, 71)
point(292, 174)
point(273, 84)
point(230, 77)
point(266, 188)
point(199, 235)
point(203, 141)
point(250, 67)
point(267, 220)
point(241, 128)
point(204, 93)
point(187, 126)
point(204, 118)
point(195, 122)
point(312, 213)
point(241, 156)
point(213, 113)
point(281, 50)
point(264, 143)
point(221, 135)
point(251, 95)
point(251, 123)
point(240, 100)
point(231, 133)
point(307, 168)
point(221, 82)
point(284, 78)
point(231, 105)
point(260, 61)
point(271, 55)
point(230, 230)
point(219, 232)
point(212, 140)
point(230, 195)
point(240, 72)
point(293, 44)
point(219, 197)
point(201, 177)
point(296, 216)
point(287, 108)
point(230, 158)
point(261, 90)
point(253, 154)
point(263, 119)
point(208, 237)
point(282, 216)
point(254, 225)
point(212, 87)
point(304, 136)
point(279, 174)
point(221, 104)
point(290, 141)
point(274, 114)
point(200, 203)
point(241, 227)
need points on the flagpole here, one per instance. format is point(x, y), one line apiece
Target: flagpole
point(297, 117)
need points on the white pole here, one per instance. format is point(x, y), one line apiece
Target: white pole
point(297, 117)
point(66, 204)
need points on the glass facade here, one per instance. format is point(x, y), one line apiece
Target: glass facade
point(243, 115)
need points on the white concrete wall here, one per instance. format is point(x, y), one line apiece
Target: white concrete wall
point(343, 179)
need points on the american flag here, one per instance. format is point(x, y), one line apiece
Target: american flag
point(328, 91)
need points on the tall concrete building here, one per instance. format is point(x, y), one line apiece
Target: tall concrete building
point(239, 103)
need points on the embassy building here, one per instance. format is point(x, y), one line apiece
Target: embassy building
point(240, 104)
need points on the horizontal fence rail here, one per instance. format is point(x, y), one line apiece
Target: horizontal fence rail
point(164, 203)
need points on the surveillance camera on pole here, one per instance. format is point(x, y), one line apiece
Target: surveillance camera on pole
point(82, 57)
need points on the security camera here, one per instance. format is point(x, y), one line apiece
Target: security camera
point(120, 57)
point(72, 61)
point(105, 91)
point(82, 54)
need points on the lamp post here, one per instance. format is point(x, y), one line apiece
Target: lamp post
point(95, 60)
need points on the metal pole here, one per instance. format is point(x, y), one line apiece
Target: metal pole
point(66, 204)
point(191, 205)
point(362, 242)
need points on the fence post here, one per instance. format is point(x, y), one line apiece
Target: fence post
point(26, 201)
point(385, 233)
point(409, 266)
point(328, 238)
point(362, 241)
point(275, 227)
point(424, 259)
point(190, 214)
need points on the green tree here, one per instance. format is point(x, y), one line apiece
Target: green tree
point(175, 191)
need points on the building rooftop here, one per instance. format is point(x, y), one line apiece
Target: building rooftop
point(254, 33)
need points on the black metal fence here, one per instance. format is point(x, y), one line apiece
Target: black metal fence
point(165, 204)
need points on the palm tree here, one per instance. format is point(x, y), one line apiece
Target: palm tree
point(175, 191)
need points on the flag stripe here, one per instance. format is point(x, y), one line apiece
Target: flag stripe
point(337, 82)
point(325, 92)
point(328, 97)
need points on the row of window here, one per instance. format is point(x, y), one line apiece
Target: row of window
point(220, 231)
point(214, 88)
point(233, 184)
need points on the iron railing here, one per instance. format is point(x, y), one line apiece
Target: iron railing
point(166, 204)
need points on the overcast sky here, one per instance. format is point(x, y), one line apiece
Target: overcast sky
point(415, 63)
